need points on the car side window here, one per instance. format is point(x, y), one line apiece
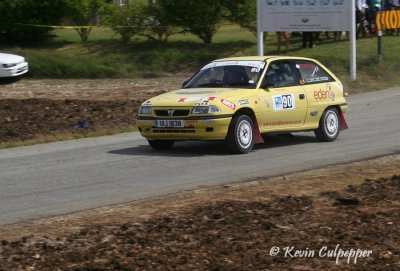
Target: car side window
point(311, 73)
point(280, 74)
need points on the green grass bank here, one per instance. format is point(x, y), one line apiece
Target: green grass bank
point(104, 56)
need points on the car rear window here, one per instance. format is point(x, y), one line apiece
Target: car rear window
point(312, 73)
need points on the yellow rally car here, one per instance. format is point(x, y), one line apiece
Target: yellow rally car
point(239, 99)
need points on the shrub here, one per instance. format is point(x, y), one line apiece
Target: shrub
point(200, 18)
point(19, 19)
point(126, 20)
point(84, 13)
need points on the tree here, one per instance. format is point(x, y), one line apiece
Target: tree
point(84, 13)
point(243, 12)
point(158, 25)
point(23, 20)
point(200, 18)
point(126, 20)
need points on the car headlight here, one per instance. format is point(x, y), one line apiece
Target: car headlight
point(145, 110)
point(205, 109)
point(9, 65)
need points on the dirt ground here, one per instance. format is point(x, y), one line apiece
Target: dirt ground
point(32, 109)
point(353, 208)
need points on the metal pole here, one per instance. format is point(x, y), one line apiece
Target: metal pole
point(353, 53)
point(379, 34)
point(260, 43)
point(260, 33)
point(379, 45)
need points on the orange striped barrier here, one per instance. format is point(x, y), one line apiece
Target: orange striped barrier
point(388, 19)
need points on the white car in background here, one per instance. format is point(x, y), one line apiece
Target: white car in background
point(12, 65)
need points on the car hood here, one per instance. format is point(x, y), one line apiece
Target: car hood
point(9, 59)
point(194, 96)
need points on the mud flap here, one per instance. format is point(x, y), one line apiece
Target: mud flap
point(256, 131)
point(342, 121)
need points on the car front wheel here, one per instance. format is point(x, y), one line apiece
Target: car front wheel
point(161, 144)
point(329, 126)
point(240, 137)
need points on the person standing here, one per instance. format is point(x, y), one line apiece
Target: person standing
point(283, 36)
point(374, 7)
point(308, 39)
point(361, 19)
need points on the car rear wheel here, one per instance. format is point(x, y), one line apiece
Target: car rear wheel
point(161, 144)
point(329, 126)
point(240, 137)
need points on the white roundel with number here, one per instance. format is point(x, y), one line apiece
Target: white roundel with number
point(283, 102)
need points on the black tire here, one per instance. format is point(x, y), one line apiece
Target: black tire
point(329, 125)
point(240, 138)
point(158, 144)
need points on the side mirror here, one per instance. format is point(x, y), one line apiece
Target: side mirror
point(185, 83)
point(266, 84)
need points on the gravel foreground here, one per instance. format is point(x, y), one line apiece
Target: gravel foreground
point(360, 220)
point(313, 220)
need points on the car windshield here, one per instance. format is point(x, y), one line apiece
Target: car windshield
point(228, 74)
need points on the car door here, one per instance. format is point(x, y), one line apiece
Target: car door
point(284, 98)
point(320, 88)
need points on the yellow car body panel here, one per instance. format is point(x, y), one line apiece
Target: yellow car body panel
point(195, 126)
point(290, 108)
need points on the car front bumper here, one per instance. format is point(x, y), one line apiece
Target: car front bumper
point(17, 70)
point(215, 128)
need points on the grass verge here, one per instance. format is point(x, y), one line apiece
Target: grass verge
point(104, 56)
point(42, 139)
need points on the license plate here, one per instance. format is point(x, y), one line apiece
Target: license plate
point(169, 123)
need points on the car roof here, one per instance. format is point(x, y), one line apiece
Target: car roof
point(271, 58)
point(261, 58)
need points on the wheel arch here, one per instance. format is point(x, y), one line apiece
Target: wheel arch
point(342, 120)
point(256, 128)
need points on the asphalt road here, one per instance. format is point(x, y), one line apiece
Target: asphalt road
point(63, 177)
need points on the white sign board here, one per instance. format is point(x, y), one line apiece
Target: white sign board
point(304, 15)
point(307, 15)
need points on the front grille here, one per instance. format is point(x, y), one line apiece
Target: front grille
point(174, 131)
point(172, 112)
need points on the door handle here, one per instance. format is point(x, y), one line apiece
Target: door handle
point(301, 96)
